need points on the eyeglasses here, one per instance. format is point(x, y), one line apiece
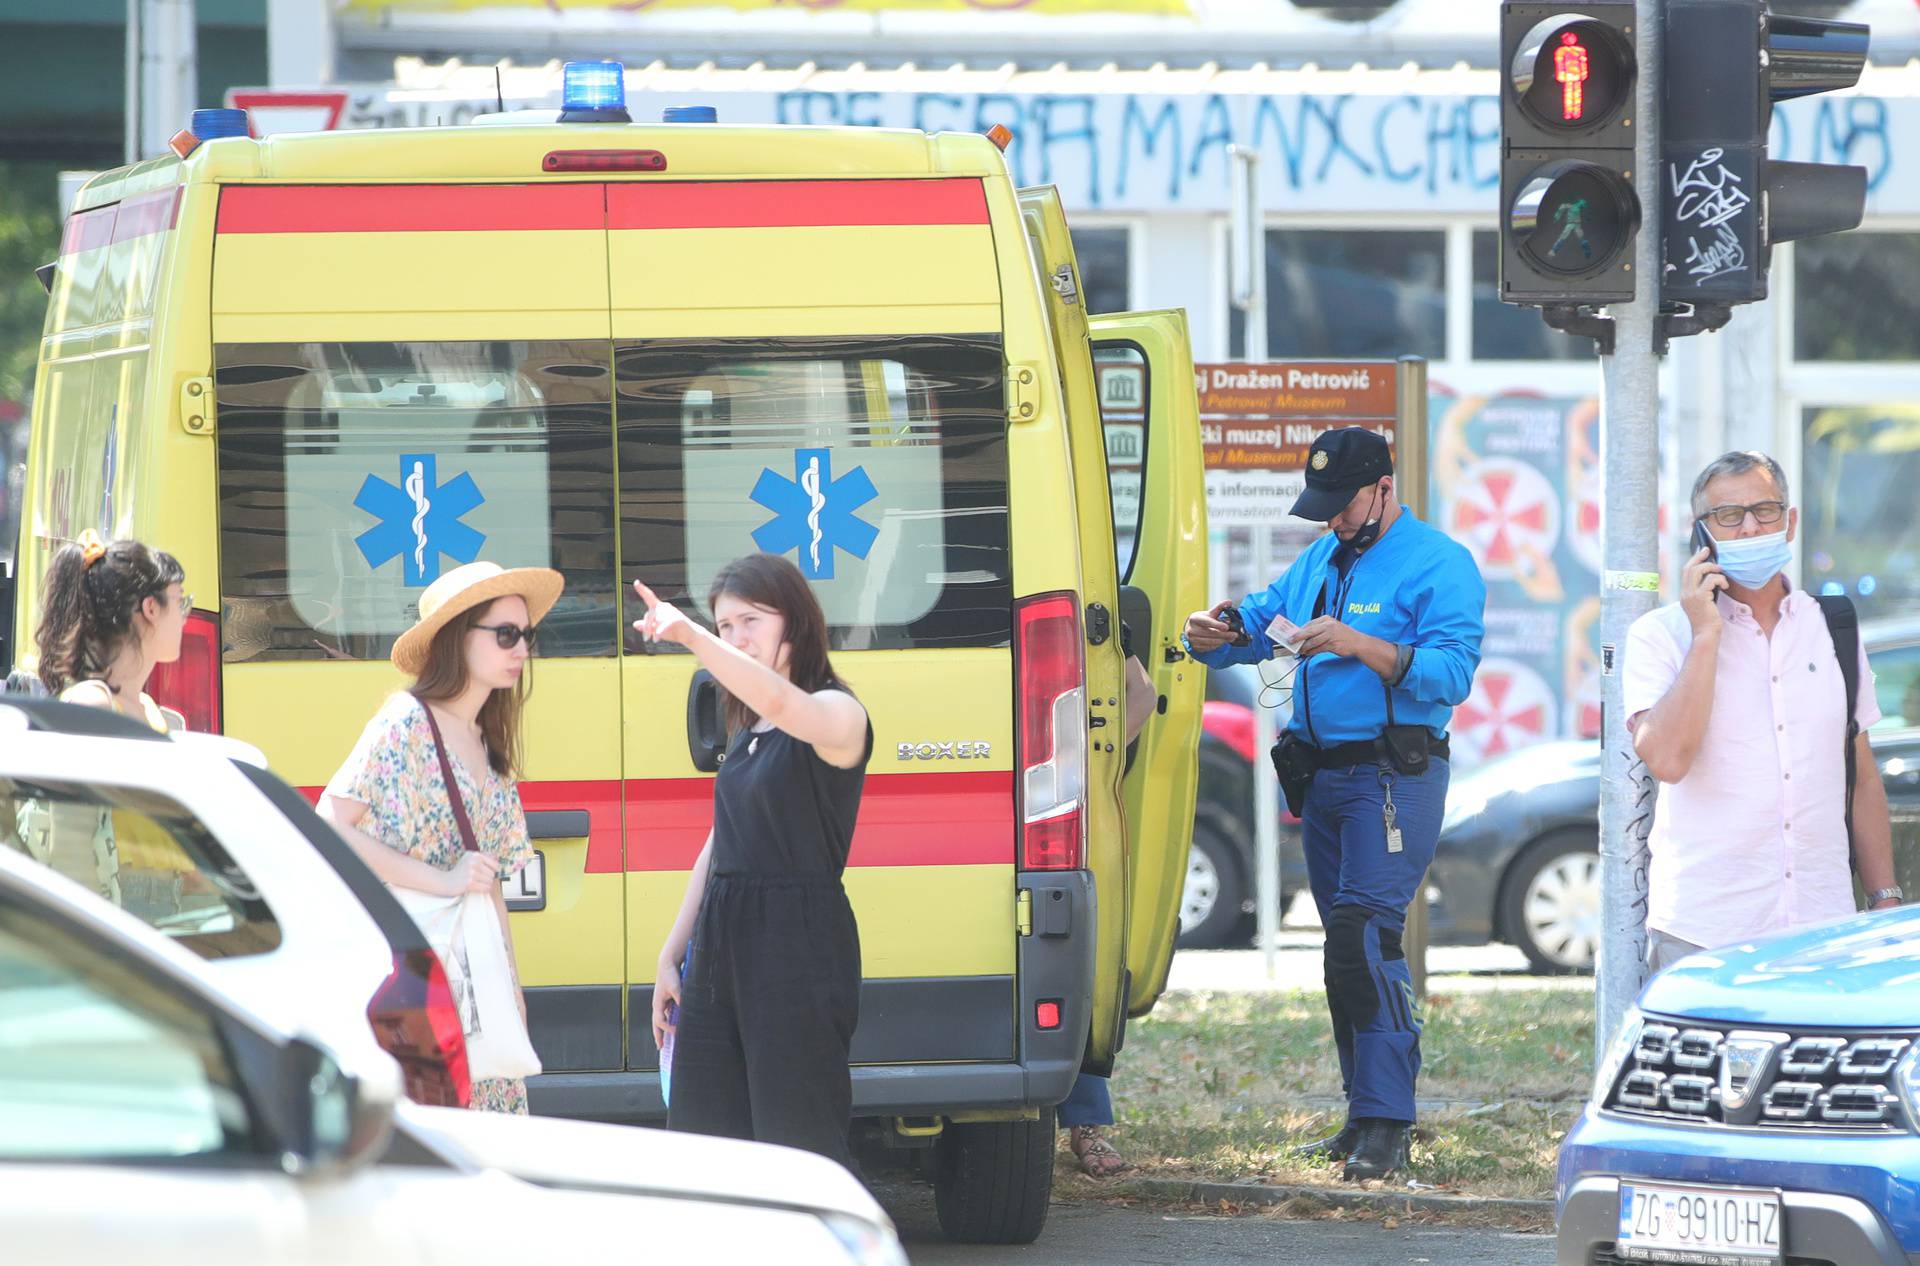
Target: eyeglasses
point(1763, 512)
point(507, 636)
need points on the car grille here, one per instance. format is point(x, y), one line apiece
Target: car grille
point(1817, 1080)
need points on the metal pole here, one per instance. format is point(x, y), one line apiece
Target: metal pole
point(1250, 294)
point(1410, 460)
point(131, 114)
point(1630, 458)
point(169, 72)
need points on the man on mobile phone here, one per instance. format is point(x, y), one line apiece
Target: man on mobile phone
point(1390, 614)
point(1738, 701)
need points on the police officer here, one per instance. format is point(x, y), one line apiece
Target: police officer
point(1385, 615)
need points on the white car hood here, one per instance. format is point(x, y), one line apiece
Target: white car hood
point(603, 1157)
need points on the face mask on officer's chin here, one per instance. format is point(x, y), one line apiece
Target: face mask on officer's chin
point(1369, 532)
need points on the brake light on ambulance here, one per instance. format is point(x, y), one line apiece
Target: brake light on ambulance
point(191, 685)
point(1051, 725)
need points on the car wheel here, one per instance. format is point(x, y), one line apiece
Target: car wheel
point(995, 1180)
point(1210, 900)
point(1550, 903)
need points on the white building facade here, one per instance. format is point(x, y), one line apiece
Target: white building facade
point(1380, 184)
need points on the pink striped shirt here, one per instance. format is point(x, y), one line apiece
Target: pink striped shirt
point(1753, 840)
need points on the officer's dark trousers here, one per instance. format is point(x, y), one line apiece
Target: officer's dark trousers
point(767, 1014)
point(1363, 892)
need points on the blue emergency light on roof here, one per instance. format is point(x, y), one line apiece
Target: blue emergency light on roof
point(593, 92)
point(211, 125)
point(690, 114)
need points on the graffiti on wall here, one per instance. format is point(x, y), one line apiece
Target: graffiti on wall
point(1319, 152)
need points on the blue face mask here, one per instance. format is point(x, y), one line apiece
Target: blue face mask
point(1752, 561)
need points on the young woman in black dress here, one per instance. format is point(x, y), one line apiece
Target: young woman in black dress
point(767, 1012)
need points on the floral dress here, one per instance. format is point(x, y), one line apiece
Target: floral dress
point(395, 772)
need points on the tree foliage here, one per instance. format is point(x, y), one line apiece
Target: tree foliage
point(29, 237)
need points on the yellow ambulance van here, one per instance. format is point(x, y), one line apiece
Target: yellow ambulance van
point(320, 369)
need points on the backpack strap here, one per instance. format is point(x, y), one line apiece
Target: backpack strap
point(1843, 625)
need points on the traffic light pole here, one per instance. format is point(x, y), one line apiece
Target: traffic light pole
point(1629, 448)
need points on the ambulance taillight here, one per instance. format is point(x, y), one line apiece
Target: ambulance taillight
point(191, 684)
point(1050, 725)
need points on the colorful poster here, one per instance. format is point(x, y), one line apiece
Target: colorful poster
point(1257, 422)
point(1516, 479)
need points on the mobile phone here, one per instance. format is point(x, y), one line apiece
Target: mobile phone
point(1232, 619)
point(1703, 539)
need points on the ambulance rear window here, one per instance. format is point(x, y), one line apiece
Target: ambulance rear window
point(353, 474)
point(878, 465)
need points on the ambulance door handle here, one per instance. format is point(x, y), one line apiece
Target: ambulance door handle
point(706, 728)
point(558, 824)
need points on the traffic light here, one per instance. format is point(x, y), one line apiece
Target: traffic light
point(1724, 203)
point(1569, 215)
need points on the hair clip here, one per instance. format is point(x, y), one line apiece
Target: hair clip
point(92, 548)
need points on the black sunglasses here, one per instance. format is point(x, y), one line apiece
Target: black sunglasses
point(509, 635)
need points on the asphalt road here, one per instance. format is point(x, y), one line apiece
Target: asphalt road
point(1098, 1235)
point(1111, 1235)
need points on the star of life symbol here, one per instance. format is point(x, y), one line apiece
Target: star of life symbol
point(419, 520)
point(813, 512)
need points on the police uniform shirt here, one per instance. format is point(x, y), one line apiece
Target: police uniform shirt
point(1416, 587)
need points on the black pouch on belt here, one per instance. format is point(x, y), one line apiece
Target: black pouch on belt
point(1293, 764)
point(1407, 748)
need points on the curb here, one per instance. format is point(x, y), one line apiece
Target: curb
point(1182, 1191)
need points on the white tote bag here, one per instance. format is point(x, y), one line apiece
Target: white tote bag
point(465, 932)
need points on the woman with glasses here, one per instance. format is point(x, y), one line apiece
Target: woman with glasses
point(111, 613)
point(428, 796)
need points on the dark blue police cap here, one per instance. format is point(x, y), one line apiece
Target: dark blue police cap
point(1341, 463)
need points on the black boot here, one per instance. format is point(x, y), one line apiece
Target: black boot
point(1334, 1147)
point(1380, 1150)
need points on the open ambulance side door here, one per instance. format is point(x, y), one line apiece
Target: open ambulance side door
point(1106, 846)
point(1144, 364)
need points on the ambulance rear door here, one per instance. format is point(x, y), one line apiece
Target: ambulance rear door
point(1144, 366)
point(814, 368)
point(1107, 842)
point(410, 377)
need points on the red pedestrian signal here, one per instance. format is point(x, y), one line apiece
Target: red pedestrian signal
point(1569, 213)
point(1571, 69)
point(1572, 73)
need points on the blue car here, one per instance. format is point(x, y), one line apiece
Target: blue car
point(1761, 1104)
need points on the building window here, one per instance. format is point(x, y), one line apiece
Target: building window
point(1106, 273)
point(1502, 331)
point(1857, 297)
point(1353, 293)
point(1860, 524)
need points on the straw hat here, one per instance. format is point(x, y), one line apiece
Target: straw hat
point(464, 588)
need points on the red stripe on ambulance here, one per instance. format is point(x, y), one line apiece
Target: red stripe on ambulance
point(88, 230)
point(409, 208)
point(148, 213)
point(769, 204)
point(958, 819)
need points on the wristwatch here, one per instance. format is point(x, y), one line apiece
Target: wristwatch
point(1882, 894)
